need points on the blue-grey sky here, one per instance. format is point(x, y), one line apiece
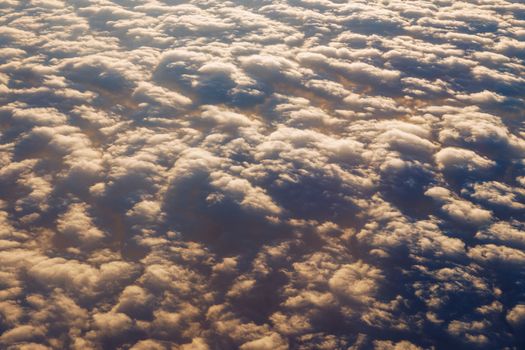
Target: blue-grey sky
point(262, 175)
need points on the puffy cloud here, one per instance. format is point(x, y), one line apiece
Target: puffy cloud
point(300, 174)
point(470, 332)
point(470, 126)
point(77, 226)
point(148, 345)
point(358, 281)
point(150, 93)
point(459, 209)
point(112, 324)
point(22, 333)
point(273, 341)
point(491, 253)
point(245, 193)
point(508, 233)
point(457, 159)
point(498, 194)
point(80, 277)
point(516, 316)
point(388, 345)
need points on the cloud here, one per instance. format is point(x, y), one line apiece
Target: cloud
point(274, 341)
point(76, 225)
point(451, 158)
point(516, 316)
point(357, 281)
point(498, 254)
point(459, 209)
point(303, 174)
point(507, 233)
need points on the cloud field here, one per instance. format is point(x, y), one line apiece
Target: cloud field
point(262, 175)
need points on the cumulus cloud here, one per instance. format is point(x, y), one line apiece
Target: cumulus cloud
point(299, 174)
point(459, 209)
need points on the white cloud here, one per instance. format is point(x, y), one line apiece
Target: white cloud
point(307, 174)
point(452, 158)
point(459, 209)
point(358, 280)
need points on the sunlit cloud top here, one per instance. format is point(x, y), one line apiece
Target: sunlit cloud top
point(262, 175)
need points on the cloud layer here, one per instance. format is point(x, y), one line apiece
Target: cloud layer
point(300, 174)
